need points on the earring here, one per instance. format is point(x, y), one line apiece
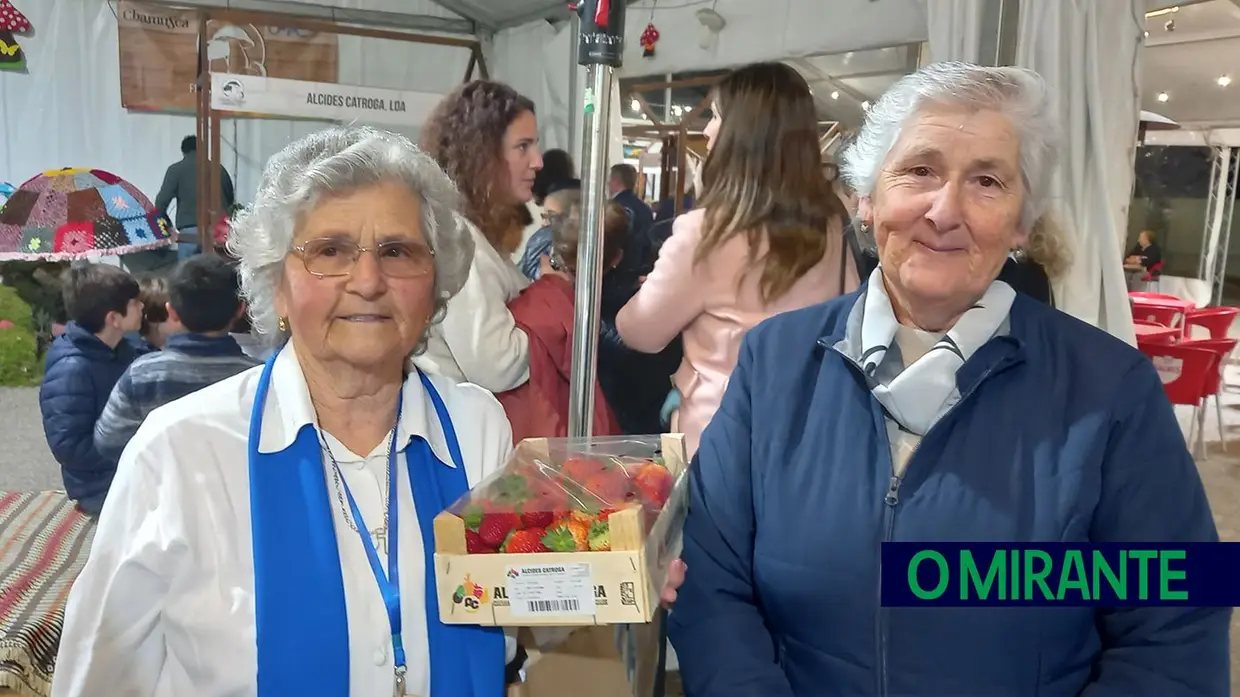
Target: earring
point(284, 324)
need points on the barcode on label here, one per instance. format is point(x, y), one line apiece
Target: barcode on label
point(564, 605)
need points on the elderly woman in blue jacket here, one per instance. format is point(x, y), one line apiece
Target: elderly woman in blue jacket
point(936, 404)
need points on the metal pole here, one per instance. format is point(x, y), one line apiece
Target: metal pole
point(601, 49)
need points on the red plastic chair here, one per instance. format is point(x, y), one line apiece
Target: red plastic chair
point(1167, 314)
point(1185, 373)
point(1222, 349)
point(1146, 295)
point(1153, 273)
point(1216, 320)
point(1156, 335)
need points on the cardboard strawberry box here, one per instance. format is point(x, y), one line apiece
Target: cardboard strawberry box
point(570, 532)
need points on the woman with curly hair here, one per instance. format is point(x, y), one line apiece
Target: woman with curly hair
point(485, 136)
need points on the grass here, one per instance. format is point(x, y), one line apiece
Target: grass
point(20, 365)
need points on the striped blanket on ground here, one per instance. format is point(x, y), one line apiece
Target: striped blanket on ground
point(44, 541)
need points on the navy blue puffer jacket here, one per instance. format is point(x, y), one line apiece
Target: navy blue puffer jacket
point(79, 376)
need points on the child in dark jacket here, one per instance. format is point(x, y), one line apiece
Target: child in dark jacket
point(544, 311)
point(83, 365)
point(203, 303)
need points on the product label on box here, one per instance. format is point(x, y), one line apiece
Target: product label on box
point(551, 589)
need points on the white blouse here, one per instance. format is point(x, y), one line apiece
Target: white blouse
point(165, 604)
point(478, 341)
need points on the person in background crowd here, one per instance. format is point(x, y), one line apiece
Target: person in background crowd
point(557, 168)
point(638, 254)
point(157, 326)
point(538, 248)
point(181, 185)
point(242, 332)
point(938, 405)
point(83, 365)
point(485, 136)
point(767, 237)
point(203, 301)
point(1146, 253)
point(544, 311)
point(234, 558)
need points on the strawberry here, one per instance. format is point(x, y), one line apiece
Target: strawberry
point(654, 483)
point(600, 536)
point(580, 469)
point(525, 542)
point(536, 519)
point(559, 539)
point(610, 487)
point(570, 534)
point(475, 545)
point(472, 515)
point(495, 527)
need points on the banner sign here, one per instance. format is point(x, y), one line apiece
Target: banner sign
point(989, 574)
point(269, 96)
point(159, 54)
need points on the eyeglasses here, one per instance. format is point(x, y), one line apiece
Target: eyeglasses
point(332, 258)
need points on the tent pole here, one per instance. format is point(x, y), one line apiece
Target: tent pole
point(600, 48)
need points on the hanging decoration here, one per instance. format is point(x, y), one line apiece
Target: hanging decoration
point(12, 22)
point(74, 213)
point(649, 38)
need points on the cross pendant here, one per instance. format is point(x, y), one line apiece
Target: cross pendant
point(380, 537)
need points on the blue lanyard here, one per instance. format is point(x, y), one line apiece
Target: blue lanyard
point(389, 583)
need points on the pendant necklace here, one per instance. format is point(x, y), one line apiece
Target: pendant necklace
point(379, 534)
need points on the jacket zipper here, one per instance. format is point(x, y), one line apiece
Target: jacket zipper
point(892, 500)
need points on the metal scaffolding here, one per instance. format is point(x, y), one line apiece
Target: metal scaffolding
point(1220, 205)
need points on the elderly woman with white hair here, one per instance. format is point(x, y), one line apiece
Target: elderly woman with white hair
point(937, 405)
point(271, 534)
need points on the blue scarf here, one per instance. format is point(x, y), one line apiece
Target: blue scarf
point(303, 632)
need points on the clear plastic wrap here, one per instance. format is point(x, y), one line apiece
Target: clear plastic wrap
point(560, 498)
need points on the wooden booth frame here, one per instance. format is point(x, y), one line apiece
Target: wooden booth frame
point(208, 119)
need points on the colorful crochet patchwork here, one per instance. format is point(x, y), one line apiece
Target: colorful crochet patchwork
point(73, 213)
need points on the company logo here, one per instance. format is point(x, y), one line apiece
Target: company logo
point(232, 93)
point(513, 573)
point(470, 595)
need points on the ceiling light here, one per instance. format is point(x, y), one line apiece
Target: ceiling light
point(1223, 81)
point(635, 105)
point(1163, 11)
point(1147, 35)
point(835, 95)
point(865, 106)
point(1163, 96)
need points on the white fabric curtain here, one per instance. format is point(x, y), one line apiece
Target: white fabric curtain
point(1089, 53)
point(66, 111)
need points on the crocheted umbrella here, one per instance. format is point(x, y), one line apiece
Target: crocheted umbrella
point(73, 213)
point(11, 22)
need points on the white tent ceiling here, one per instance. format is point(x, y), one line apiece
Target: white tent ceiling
point(1186, 61)
point(498, 14)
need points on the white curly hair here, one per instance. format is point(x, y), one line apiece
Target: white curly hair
point(1020, 94)
point(330, 162)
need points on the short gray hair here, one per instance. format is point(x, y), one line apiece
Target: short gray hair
point(1020, 94)
point(337, 161)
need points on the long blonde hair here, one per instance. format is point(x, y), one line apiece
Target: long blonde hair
point(1048, 247)
point(763, 178)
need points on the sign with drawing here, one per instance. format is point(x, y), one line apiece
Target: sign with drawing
point(159, 54)
point(269, 96)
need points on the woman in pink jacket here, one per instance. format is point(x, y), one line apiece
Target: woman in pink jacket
point(767, 237)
